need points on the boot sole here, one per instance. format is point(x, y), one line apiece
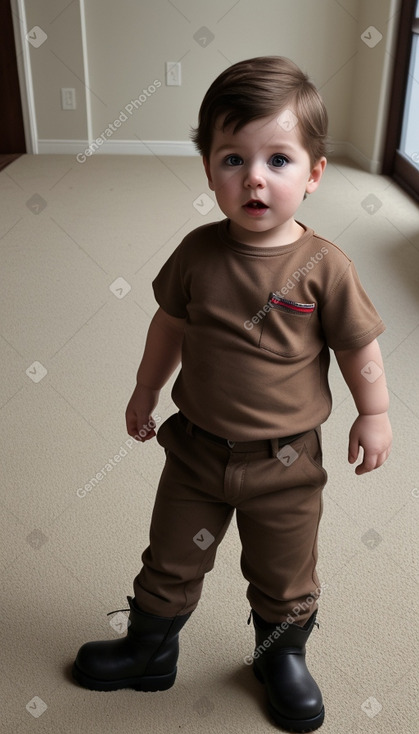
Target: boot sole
point(147, 684)
point(292, 725)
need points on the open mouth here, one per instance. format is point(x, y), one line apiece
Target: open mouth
point(255, 207)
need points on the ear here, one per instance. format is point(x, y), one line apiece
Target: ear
point(208, 172)
point(315, 175)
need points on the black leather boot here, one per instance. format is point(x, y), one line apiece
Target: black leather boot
point(144, 660)
point(295, 701)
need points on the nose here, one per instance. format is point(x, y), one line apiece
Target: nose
point(254, 176)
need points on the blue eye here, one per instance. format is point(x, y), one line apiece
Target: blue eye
point(279, 161)
point(234, 160)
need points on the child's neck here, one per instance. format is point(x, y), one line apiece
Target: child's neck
point(276, 237)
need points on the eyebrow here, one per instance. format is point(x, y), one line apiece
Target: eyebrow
point(283, 146)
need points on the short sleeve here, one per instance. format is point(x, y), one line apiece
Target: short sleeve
point(169, 286)
point(349, 319)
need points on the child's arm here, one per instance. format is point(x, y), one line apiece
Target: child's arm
point(364, 374)
point(162, 354)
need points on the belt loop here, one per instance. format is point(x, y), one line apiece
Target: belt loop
point(189, 426)
point(318, 432)
point(274, 446)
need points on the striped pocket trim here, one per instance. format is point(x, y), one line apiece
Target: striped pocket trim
point(276, 301)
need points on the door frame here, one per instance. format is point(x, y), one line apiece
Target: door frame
point(25, 75)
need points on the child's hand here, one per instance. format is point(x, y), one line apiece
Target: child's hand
point(373, 434)
point(140, 424)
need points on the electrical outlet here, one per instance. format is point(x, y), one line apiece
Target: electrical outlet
point(173, 74)
point(68, 98)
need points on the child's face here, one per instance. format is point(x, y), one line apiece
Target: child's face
point(267, 163)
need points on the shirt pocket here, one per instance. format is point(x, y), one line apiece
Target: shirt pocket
point(285, 326)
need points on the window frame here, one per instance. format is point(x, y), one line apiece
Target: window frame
point(395, 164)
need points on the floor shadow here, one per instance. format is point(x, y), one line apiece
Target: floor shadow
point(7, 158)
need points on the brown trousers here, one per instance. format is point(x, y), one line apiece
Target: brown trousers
point(278, 503)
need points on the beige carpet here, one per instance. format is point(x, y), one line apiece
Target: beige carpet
point(80, 244)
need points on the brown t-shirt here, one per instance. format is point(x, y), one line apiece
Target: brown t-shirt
point(259, 325)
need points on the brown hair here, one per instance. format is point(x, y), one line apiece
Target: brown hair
point(259, 87)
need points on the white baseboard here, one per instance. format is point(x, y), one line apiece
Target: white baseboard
point(118, 147)
point(82, 150)
point(347, 150)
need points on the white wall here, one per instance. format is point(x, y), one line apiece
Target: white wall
point(128, 43)
point(372, 80)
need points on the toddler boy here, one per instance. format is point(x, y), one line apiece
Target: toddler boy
point(250, 306)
